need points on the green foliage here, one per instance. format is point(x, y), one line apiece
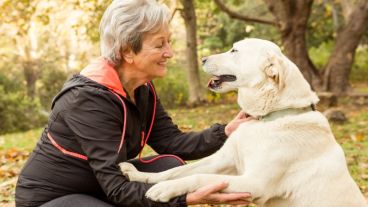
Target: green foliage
point(96, 10)
point(50, 84)
point(233, 32)
point(173, 89)
point(211, 31)
point(10, 85)
point(320, 54)
point(321, 25)
point(19, 112)
point(359, 71)
point(18, 12)
point(217, 31)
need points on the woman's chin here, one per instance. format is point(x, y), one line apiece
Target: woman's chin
point(162, 73)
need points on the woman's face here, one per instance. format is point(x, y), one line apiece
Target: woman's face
point(155, 52)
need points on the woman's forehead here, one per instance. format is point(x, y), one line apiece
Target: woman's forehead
point(164, 33)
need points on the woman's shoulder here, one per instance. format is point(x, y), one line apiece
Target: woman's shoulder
point(78, 90)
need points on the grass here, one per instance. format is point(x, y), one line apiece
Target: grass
point(22, 140)
point(353, 137)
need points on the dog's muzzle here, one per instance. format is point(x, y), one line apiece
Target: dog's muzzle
point(216, 81)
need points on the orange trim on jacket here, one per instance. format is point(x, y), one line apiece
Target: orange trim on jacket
point(103, 73)
point(64, 151)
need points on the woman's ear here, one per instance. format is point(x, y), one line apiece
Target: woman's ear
point(128, 55)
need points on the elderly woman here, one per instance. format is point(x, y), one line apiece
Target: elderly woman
point(107, 114)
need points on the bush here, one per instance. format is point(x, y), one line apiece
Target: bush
point(49, 85)
point(173, 89)
point(359, 72)
point(320, 54)
point(18, 112)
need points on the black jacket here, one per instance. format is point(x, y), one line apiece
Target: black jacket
point(86, 125)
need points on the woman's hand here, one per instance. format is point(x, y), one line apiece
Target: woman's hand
point(233, 124)
point(211, 194)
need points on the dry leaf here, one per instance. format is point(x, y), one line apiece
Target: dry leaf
point(358, 137)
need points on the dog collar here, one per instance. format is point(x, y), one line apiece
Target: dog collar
point(284, 112)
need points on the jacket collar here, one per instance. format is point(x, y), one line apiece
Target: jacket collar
point(104, 73)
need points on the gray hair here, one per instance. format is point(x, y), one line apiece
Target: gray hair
point(125, 22)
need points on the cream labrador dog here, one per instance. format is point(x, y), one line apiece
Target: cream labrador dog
point(288, 157)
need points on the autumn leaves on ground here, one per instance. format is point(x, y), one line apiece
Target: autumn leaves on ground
point(352, 135)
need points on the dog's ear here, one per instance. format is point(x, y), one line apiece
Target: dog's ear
point(275, 70)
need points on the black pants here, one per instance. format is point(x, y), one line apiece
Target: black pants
point(82, 200)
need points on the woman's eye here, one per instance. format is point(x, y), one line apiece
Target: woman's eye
point(159, 44)
point(233, 50)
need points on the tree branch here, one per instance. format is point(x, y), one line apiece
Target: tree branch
point(239, 16)
point(174, 12)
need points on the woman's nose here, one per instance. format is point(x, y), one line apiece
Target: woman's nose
point(168, 53)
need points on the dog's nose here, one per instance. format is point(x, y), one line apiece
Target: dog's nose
point(204, 59)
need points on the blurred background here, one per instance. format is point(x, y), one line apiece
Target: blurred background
point(43, 42)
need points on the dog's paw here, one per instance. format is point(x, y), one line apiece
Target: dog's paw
point(128, 170)
point(127, 167)
point(132, 173)
point(164, 191)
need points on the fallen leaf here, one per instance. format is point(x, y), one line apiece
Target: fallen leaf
point(358, 137)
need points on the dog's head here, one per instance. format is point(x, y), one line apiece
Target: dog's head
point(266, 80)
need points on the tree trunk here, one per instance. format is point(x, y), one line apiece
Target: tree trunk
point(31, 75)
point(30, 70)
point(195, 88)
point(336, 76)
point(292, 17)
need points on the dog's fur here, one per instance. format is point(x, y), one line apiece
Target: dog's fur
point(286, 158)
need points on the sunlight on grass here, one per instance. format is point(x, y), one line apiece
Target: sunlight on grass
point(22, 140)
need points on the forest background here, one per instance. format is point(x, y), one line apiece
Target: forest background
point(43, 42)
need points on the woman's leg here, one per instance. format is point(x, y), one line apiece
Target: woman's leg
point(153, 164)
point(76, 200)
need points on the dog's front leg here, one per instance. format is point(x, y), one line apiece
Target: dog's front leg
point(219, 163)
point(166, 190)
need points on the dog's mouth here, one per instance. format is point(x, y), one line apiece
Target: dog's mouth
point(216, 81)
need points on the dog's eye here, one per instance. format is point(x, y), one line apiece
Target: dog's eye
point(233, 50)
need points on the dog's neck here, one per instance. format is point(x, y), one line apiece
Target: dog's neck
point(285, 112)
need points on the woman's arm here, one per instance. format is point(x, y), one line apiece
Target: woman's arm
point(166, 138)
